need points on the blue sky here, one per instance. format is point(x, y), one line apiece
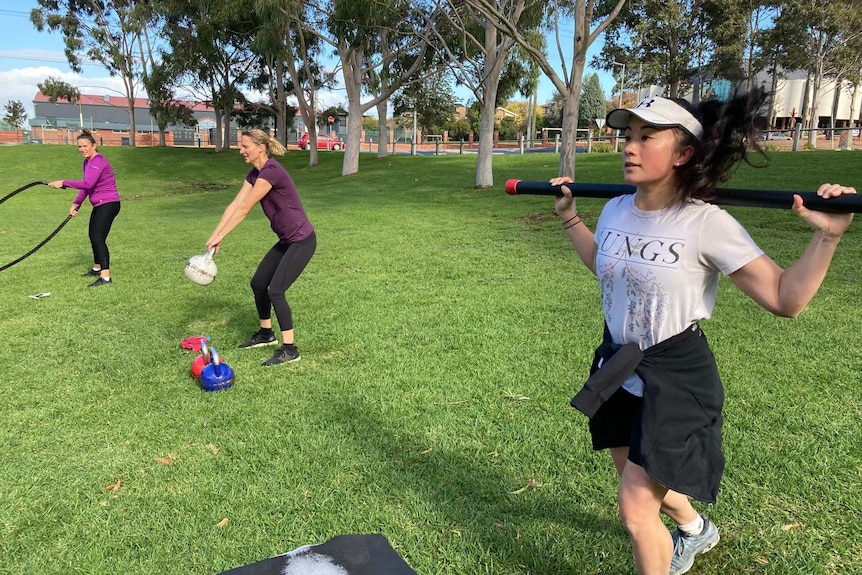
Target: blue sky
point(28, 57)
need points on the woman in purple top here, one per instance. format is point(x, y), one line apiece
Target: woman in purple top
point(99, 185)
point(269, 184)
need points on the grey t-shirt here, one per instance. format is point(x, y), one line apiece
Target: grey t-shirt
point(658, 270)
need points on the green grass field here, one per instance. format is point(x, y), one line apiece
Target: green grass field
point(443, 331)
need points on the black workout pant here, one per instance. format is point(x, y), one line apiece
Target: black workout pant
point(277, 271)
point(101, 219)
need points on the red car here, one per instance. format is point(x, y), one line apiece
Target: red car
point(324, 142)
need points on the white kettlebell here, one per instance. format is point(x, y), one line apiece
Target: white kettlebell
point(202, 269)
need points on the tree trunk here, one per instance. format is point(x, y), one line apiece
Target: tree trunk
point(773, 89)
point(485, 160)
point(848, 143)
point(836, 99)
point(132, 128)
point(228, 110)
point(217, 143)
point(812, 110)
point(354, 139)
point(570, 129)
point(280, 104)
point(351, 66)
point(570, 114)
point(309, 118)
point(382, 134)
point(495, 57)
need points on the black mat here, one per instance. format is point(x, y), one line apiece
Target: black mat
point(341, 555)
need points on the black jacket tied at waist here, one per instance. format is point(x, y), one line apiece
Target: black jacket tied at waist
point(681, 409)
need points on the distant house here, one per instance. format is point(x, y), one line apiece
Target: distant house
point(338, 126)
point(499, 113)
point(107, 117)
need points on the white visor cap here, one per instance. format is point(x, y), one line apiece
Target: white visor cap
point(659, 112)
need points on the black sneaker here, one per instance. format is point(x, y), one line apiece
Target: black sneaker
point(282, 356)
point(91, 272)
point(259, 340)
point(101, 282)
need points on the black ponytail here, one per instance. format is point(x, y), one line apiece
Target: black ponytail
point(730, 137)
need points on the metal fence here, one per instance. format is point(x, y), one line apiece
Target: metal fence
point(797, 139)
point(845, 138)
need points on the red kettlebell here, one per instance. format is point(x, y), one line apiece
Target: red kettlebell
point(201, 361)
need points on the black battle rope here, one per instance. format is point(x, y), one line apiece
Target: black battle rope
point(22, 188)
point(43, 242)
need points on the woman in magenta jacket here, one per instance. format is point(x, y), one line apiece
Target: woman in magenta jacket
point(100, 186)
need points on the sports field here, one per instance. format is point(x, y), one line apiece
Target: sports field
point(443, 331)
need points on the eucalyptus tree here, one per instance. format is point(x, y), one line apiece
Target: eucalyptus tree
point(736, 30)
point(165, 107)
point(480, 55)
point(158, 76)
point(529, 83)
point(662, 39)
point(271, 81)
point(289, 57)
point(369, 36)
point(777, 49)
point(847, 69)
point(422, 84)
point(104, 31)
point(55, 89)
point(270, 75)
point(850, 63)
point(433, 102)
point(568, 77)
point(823, 28)
point(720, 45)
point(210, 49)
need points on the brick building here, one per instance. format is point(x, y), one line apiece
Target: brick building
point(107, 117)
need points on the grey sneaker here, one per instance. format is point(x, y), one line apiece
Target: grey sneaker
point(259, 340)
point(282, 356)
point(686, 548)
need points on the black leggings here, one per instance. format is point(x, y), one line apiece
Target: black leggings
point(101, 219)
point(277, 271)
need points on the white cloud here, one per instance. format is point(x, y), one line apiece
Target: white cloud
point(22, 84)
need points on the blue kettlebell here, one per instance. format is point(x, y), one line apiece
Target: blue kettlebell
point(216, 375)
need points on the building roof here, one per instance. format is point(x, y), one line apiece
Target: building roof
point(117, 101)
